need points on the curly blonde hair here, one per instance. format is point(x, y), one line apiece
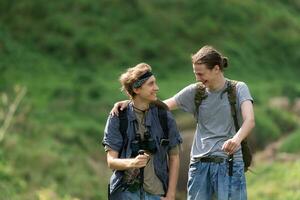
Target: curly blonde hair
point(132, 74)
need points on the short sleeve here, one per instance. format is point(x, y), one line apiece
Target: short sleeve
point(112, 137)
point(185, 98)
point(174, 135)
point(243, 93)
point(174, 150)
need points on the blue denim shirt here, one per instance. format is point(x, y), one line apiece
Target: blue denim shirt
point(113, 138)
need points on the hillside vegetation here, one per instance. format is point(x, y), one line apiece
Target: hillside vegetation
point(69, 55)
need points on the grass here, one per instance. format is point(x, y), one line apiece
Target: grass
point(69, 57)
point(275, 181)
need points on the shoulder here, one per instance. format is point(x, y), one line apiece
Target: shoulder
point(189, 87)
point(194, 85)
point(239, 85)
point(114, 120)
point(242, 87)
point(188, 90)
point(161, 110)
point(243, 92)
point(160, 105)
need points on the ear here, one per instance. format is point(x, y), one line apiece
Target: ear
point(217, 68)
point(136, 90)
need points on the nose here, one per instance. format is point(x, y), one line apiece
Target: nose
point(156, 88)
point(198, 78)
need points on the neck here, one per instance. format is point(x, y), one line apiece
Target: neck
point(219, 83)
point(140, 105)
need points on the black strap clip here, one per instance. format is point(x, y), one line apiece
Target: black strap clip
point(230, 165)
point(164, 142)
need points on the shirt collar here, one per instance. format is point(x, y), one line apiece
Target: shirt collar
point(132, 117)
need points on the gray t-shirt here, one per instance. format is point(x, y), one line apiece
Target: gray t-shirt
point(215, 124)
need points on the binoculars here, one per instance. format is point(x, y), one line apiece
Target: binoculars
point(148, 144)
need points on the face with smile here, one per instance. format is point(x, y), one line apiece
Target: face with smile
point(147, 92)
point(204, 75)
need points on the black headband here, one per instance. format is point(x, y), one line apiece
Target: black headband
point(138, 83)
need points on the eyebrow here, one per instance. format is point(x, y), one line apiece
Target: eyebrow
point(197, 72)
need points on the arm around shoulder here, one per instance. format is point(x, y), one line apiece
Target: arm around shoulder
point(171, 103)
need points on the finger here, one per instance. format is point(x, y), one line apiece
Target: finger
point(117, 112)
point(232, 150)
point(142, 164)
point(123, 106)
point(142, 158)
point(224, 147)
point(227, 148)
point(114, 112)
point(147, 155)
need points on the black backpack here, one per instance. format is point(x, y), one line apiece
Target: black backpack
point(123, 125)
point(231, 93)
point(162, 116)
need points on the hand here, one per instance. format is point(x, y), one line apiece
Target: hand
point(167, 198)
point(230, 146)
point(140, 161)
point(119, 105)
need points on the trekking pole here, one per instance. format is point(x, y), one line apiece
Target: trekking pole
point(142, 197)
point(230, 173)
point(108, 191)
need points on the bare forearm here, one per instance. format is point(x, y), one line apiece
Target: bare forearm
point(120, 164)
point(245, 129)
point(173, 175)
point(171, 103)
point(230, 146)
point(248, 121)
point(114, 162)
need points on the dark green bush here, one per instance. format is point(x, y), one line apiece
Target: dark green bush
point(291, 143)
point(284, 120)
point(291, 90)
point(265, 130)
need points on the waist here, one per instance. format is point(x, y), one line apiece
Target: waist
point(212, 159)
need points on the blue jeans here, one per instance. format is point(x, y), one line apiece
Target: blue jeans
point(127, 195)
point(211, 179)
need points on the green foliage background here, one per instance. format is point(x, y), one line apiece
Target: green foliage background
point(69, 54)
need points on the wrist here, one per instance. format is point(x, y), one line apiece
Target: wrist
point(170, 195)
point(130, 164)
point(237, 139)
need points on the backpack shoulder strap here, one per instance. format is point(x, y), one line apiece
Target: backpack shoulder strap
point(246, 151)
point(162, 116)
point(200, 95)
point(231, 91)
point(163, 120)
point(123, 122)
point(123, 125)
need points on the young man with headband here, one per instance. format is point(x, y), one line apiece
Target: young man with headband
point(145, 158)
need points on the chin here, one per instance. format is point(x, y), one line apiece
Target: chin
point(154, 98)
point(205, 83)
